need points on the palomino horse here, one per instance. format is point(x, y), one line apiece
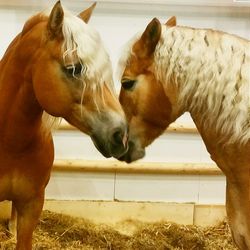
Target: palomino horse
point(168, 70)
point(57, 65)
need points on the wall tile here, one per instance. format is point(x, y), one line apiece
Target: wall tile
point(80, 186)
point(168, 188)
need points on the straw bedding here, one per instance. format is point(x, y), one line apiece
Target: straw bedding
point(57, 231)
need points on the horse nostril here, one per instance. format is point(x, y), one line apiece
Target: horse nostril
point(119, 141)
point(118, 137)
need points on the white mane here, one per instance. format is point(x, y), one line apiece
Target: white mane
point(212, 72)
point(126, 51)
point(83, 41)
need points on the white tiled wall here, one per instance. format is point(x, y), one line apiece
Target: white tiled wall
point(169, 188)
point(116, 25)
point(136, 187)
point(175, 148)
point(157, 188)
point(211, 190)
point(80, 186)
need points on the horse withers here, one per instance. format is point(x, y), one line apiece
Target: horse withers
point(168, 70)
point(57, 65)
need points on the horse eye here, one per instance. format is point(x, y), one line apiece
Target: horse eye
point(128, 84)
point(74, 70)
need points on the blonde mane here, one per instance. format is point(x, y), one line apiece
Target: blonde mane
point(83, 42)
point(211, 70)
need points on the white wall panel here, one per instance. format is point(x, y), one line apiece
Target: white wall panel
point(75, 145)
point(216, 3)
point(212, 190)
point(169, 188)
point(156, 188)
point(172, 147)
point(80, 186)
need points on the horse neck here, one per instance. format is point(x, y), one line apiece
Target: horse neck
point(172, 63)
point(20, 113)
point(214, 91)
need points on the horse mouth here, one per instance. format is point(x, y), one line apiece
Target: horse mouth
point(108, 149)
point(133, 153)
point(101, 147)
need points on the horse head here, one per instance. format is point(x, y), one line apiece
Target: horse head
point(147, 107)
point(71, 75)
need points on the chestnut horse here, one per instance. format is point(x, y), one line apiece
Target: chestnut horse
point(168, 70)
point(57, 65)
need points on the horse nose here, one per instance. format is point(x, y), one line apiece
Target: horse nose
point(120, 137)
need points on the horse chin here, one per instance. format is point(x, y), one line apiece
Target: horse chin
point(101, 147)
point(109, 149)
point(133, 154)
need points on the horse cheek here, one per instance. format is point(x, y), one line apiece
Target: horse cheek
point(53, 97)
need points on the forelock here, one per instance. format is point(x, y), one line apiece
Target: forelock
point(126, 52)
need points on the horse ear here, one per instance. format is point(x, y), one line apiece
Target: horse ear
point(55, 20)
point(86, 14)
point(149, 39)
point(171, 22)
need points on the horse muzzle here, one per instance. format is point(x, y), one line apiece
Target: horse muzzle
point(114, 145)
point(133, 153)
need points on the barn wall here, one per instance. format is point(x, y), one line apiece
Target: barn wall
point(117, 22)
